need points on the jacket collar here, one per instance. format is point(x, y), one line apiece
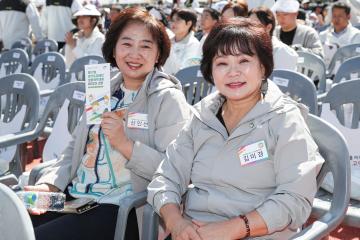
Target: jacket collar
point(273, 103)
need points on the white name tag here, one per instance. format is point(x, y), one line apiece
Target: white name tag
point(51, 58)
point(19, 84)
point(281, 81)
point(253, 153)
point(138, 120)
point(79, 95)
point(354, 76)
point(16, 55)
point(300, 60)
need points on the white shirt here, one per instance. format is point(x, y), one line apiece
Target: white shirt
point(56, 20)
point(202, 40)
point(284, 56)
point(15, 25)
point(331, 41)
point(350, 35)
point(85, 46)
point(182, 54)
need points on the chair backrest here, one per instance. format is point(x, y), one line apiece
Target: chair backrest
point(25, 44)
point(193, 83)
point(77, 72)
point(19, 108)
point(44, 46)
point(342, 54)
point(13, 61)
point(333, 148)
point(75, 93)
point(345, 93)
point(15, 222)
point(348, 70)
point(52, 64)
point(314, 67)
point(17, 90)
point(297, 86)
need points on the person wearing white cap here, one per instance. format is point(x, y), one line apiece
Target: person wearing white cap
point(16, 16)
point(89, 39)
point(56, 19)
point(298, 36)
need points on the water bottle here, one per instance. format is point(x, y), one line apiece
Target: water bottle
point(48, 201)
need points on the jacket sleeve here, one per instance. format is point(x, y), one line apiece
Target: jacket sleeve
point(59, 174)
point(34, 19)
point(172, 177)
point(173, 114)
point(296, 163)
point(313, 43)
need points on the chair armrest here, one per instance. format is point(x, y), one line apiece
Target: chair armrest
point(37, 171)
point(9, 180)
point(150, 229)
point(134, 201)
point(17, 138)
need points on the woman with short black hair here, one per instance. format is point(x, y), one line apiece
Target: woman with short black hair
point(247, 150)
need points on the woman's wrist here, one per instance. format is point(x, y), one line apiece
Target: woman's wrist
point(170, 213)
point(126, 147)
point(239, 226)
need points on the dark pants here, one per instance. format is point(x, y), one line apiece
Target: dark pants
point(98, 223)
point(60, 45)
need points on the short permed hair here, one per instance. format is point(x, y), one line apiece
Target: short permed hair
point(136, 15)
point(342, 5)
point(237, 36)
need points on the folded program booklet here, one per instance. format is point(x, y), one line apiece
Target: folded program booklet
point(79, 205)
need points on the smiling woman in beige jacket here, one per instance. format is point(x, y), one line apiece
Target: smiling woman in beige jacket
point(110, 161)
point(247, 150)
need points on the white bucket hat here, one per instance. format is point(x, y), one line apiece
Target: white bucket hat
point(88, 10)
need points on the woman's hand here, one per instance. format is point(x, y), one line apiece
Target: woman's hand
point(40, 188)
point(113, 128)
point(70, 40)
point(180, 228)
point(184, 229)
point(226, 230)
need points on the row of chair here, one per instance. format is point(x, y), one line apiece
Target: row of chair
point(340, 67)
point(51, 63)
point(42, 46)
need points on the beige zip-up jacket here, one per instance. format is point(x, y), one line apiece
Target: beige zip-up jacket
point(162, 99)
point(281, 188)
